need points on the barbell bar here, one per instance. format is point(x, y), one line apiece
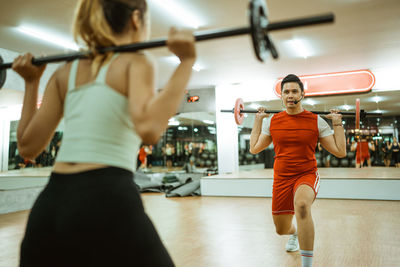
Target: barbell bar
point(259, 28)
point(239, 112)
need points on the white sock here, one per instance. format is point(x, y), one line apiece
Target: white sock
point(306, 257)
point(295, 232)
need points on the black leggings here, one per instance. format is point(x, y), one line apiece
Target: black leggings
point(396, 157)
point(92, 218)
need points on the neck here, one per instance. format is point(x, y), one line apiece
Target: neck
point(126, 39)
point(294, 110)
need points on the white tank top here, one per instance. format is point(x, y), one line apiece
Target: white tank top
point(98, 126)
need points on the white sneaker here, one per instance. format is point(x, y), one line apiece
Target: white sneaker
point(292, 244)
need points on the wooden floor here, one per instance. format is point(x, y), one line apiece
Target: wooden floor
point(387, 173)
point(325, 173)
point(222, 231)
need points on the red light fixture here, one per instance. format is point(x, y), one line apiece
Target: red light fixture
point(191, 99)
point(347, 82)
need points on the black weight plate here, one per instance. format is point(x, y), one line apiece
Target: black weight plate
point(258, 23)
point(3, 74)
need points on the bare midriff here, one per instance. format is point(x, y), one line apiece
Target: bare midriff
point(72, 167)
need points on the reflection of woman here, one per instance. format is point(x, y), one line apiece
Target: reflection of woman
point(149, 155)
point(362, 149)
point(142, 157)
point(387, 152)
point(395, 152)
point(169, 151)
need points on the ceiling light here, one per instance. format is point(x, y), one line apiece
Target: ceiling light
point(174, 60)
point(300, 48)
point(173, 123)
point(208, 122)
point(310, 102)
point(179, 12)
point(346, 107)
point(377, 99)
point(48, 36)
point(197, 67)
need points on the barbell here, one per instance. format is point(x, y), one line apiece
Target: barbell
point(239, 112)
point(259, 28)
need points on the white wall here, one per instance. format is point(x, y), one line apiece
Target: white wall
point(227, 130)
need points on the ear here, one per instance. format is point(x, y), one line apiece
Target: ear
point(136, 19)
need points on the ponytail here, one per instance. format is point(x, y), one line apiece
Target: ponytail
point(97, 21)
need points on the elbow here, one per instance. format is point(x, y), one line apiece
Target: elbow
point(150, 139)
point(25, 152)
point(147, 132)
point(252, 151)
point(148, 135)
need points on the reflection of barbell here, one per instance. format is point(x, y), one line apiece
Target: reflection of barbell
point(239, 111)
point(259, 28)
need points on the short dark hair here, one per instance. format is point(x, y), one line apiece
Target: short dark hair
point(291, 78)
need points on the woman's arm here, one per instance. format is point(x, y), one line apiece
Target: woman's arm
point(37, 126)
point(371, 146)
point(151, 111)
point(353, 146)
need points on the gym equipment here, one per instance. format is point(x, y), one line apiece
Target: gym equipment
point(259, 29)
point(239, 111)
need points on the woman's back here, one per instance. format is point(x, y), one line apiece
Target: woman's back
point(98, 127)
point(96, 111)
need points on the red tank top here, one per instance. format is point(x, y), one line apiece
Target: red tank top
point(363, 146)
point(295, 138)
point(142, 154)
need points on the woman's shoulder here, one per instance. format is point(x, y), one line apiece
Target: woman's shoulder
point(62, 72)
point(141, 58)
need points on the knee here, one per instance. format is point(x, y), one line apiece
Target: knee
point(281, 230)
point(302, 209)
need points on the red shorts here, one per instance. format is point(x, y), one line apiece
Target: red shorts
point(285, 188)
point(362, 158)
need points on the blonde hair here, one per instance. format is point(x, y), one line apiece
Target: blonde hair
point(96, 22)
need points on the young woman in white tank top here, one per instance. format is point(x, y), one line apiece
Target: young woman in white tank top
point(90, 213)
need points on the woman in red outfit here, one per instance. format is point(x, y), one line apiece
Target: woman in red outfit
point(142, 157)
point(362, 148)
point(295, 133)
